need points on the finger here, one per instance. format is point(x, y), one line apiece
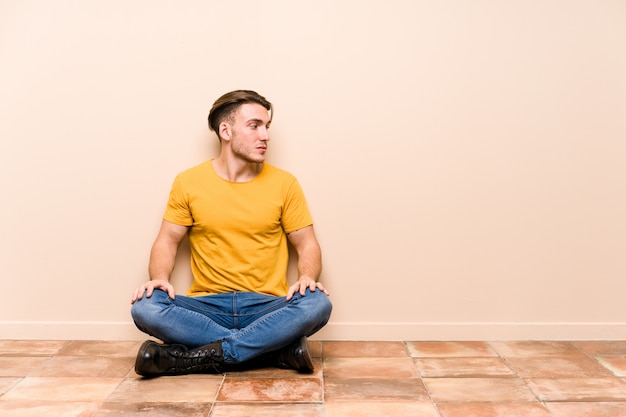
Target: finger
point(171, 292)
point(137, 294)
point(290, 293)
point(149, 290)
point(321, 287)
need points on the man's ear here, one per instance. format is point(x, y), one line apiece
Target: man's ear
point(225, 131)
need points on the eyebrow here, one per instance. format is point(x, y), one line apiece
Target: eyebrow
point(258, 121)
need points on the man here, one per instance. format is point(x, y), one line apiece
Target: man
point(238, 213)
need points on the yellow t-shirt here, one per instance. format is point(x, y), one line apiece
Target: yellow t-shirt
point(238, 229)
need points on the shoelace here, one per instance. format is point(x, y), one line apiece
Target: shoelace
point(199, 358)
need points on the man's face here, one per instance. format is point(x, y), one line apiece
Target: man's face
point(249, 132)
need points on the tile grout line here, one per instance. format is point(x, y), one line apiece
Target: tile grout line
point(421, 377)
point(21, 379)
point(123, 379)
point(323, 378)
point(595, 359)
point(18, 381)
point(217, 393)
point(508, 364)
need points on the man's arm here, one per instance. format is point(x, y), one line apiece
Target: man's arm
point(162, 260)
point(309, 261)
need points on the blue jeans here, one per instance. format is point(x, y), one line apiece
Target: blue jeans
point(248, 324)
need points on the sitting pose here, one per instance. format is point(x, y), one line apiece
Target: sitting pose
point(238, 212)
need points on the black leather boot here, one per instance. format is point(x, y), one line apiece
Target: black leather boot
point(154, 359)
point(294, 356)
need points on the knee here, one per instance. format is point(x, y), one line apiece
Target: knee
point(326, 305)
point(139, 311)
point(147, 308)
point(319, 304)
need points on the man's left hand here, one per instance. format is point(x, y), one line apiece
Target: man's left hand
point(302, 285)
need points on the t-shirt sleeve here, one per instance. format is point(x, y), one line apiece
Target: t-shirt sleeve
point(177, 210)
point(296, 214)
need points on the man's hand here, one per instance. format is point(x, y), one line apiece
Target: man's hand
point(149, 287)
point(301, 286)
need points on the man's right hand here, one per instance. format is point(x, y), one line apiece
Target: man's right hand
point(149, 287)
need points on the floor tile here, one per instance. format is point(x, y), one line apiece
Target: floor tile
point(268, 410)
point(110, 349)
point(365, 350)
point(133, 375)
point(427, 379)
point(494, 410)
point(374, 389)
point(63, 389)
point(603, 348)
point(462, 367)
point(278, 373)
point(369, 368)
point(580, 409)
point(35, 408)
point(565, 367)
point(7, 383)
point(457, 390)
point(525, 349)
point(167, 390)
point(579, 389)
point(315, 347)
point(450, 349)
point(31, 347)
point(154, 409)
point(615, 364)
point(380, 409)
point(20, 366)
point(84, 366)
point(279, 390)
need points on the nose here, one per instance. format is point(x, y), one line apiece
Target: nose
point(265, 134)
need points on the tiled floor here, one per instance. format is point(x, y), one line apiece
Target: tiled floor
point(407, 379)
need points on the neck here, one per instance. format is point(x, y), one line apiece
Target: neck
point(236, 170)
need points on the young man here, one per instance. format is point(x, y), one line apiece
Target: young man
point(238, 213)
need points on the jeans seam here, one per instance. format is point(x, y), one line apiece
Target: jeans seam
point(193, 307)
point(251, 327)
point(235, 312)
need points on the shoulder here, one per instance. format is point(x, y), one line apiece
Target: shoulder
point(192, 179)
point(271, 171)
point(198, 175)
point(281, 181)
point(198, 170)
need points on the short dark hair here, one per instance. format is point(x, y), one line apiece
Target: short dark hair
point(225, 106)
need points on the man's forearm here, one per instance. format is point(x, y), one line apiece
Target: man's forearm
point(310, 262)
point(162, 260)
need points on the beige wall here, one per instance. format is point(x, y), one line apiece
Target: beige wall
point(463, 160)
